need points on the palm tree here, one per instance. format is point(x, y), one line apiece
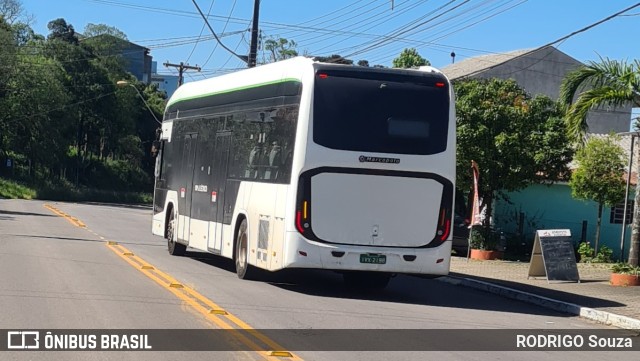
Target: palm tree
point(605, 83)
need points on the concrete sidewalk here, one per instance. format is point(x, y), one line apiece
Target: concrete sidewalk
point(593, 298)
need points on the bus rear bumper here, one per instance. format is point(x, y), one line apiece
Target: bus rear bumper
point(303, 253)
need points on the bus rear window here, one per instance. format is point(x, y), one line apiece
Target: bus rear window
point(390, 114)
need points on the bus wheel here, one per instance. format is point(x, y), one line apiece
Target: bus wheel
point(243, 269)
point(367, 280)
point(175, 248)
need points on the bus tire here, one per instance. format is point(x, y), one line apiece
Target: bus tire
point(241, 255)
point(175, 248)
point(366, 280)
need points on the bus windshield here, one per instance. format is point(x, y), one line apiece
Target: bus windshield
point(382, 113)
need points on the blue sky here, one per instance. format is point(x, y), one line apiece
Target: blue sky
point(359, 27)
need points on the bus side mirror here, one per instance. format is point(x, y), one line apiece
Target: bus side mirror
point(155, 148)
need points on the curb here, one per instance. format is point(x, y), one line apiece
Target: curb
point(603, 317)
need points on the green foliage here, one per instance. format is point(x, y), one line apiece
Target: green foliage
point(599, 174)
point(484, 238)
point(64, 123)
point(409, 58)
point(335, 59)
point(605, 255)
point(625, 269)
point(65, 191)
point(605, 83)
point(280, 48)
point(11, 10)
point(586, 252)
point(515, 139)
point(14, 190)
point(62, 31)
point(91, 30)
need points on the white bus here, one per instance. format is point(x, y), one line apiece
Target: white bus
point(301, 164)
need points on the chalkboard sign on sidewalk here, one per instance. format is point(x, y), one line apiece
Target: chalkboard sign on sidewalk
point(553, 256)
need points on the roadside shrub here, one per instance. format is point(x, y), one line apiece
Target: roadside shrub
point(586, 252)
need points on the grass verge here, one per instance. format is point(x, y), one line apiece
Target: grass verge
point(67, 192)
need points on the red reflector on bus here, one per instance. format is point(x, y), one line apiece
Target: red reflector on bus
point(447, 229)
point(440, 260)
point(440, 85)
point(323, 76)
point(302, 253)
point(299, 223)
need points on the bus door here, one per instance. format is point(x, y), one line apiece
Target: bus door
point(218, 187)
point(201, 204)
point(186, 183)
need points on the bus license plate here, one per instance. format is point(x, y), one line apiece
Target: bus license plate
point(373, 258)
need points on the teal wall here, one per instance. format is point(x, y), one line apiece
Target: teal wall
point(552, 207)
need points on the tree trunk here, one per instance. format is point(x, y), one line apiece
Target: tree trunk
point(597, 240)
point(634, 249)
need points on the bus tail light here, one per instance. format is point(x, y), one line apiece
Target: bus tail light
point(303, 221)
point(444, 225)
point(303, 207)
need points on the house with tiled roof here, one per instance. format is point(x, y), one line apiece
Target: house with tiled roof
point(538, 71)
point(541, 71)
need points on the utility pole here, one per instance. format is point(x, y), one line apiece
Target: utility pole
point(253, 47)
point(181, 69)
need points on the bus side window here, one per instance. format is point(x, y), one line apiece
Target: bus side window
point(254, 161)
point(158, 147)
point(274, 161)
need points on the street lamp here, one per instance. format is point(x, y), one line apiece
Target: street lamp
point(123, 83)
point(626, 194)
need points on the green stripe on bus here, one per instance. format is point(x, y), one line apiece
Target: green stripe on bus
point(234, 90)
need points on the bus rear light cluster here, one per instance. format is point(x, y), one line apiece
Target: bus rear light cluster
point(444, 225)
point(303, 207)
point(302, 218)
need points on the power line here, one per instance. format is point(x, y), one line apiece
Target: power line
point(431, 41)
point(406, 29)
point(374, 23)
point(214, 33)
point(419, 19)
point(562, 39)
point(223, 29)
point(201, 31)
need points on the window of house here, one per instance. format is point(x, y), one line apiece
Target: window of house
point(617, 213)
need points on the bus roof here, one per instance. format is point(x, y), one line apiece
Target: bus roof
point(291, 69)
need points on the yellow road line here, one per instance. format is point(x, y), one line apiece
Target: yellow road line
point(76, 222)
point(199, 302)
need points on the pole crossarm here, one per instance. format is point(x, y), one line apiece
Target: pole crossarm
point(182, 67)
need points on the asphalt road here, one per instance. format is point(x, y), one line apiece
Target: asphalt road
point(60, 276)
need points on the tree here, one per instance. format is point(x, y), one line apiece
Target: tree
point(604, 83)
point(335, 58)
point(515, 139)
point(409, 58)
point(599, 176)
point(8, 60)
point(23, 33)
point(60, 30)
point(364, 63)
point(11, 10)
point(280, 48)
point(91, 30)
